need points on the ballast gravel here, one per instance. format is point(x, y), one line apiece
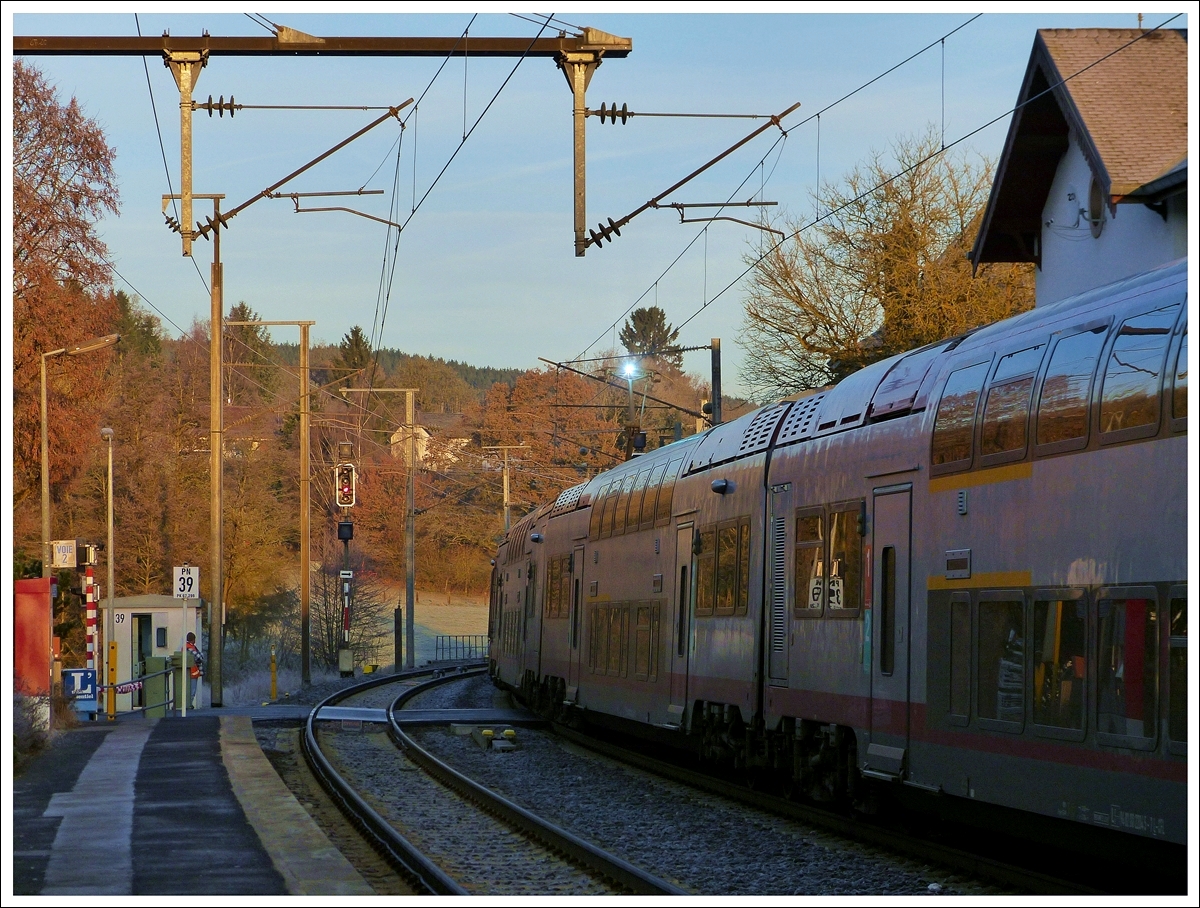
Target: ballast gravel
point(700, 841)
point(485, 856)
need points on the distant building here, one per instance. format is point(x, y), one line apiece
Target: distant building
point(399, 443)
point(1092, 183)
point(439, 441)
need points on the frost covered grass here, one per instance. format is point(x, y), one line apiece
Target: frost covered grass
point(250, 688)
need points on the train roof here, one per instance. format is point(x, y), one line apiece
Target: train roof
point(890, 388)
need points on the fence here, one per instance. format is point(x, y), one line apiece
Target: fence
point(460, 647)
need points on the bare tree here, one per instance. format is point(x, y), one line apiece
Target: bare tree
point(884, 269)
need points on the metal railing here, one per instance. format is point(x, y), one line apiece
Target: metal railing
point(460, 647)
point(139, 683)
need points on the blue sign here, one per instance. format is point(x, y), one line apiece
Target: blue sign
point(79, 684)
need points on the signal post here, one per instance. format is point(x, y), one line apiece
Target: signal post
point(346, 492)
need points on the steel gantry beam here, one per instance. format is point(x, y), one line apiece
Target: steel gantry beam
point(290, 42)
point(577, 56)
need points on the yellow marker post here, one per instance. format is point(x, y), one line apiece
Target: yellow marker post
point(272, 671)
point(112, 681)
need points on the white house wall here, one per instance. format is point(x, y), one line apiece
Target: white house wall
point(1135, 240)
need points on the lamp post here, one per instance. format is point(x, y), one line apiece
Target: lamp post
point(109, 628)
point(87, 347)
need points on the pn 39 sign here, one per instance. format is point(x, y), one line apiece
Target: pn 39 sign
point(187, 582)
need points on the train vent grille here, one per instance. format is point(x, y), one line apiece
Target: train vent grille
point(762, 427)
point(567, 500)
point(778, 585)
point(800, 420)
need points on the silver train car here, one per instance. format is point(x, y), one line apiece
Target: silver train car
point(961, 570)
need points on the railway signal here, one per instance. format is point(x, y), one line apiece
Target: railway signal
point(347, 485)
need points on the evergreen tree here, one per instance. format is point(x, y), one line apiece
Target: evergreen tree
point(647, 332)
point(354, 352)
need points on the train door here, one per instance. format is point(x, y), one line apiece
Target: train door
point(778, 575)
point(891, 549)
point(575, 622)
point(681, 636)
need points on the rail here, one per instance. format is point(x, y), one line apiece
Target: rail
point(578, 850)
point(396, 849)
point(460, 647)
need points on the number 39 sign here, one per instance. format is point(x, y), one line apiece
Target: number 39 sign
point(187, 582)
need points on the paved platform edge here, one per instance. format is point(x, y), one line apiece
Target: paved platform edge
point(300, 851)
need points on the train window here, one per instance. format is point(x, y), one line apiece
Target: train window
point(623, 504)
point(1130, 397)
point(887, 610)
point(666, 493)
point(645, 642)
point(650, 499)
point(810, 564)
point(594, 523)
point(552, 590)
point(598, 642)
point(1059, 660)
point(564, 587)
point(727, 557)
point(1179, 392)
point(705, 571)
point(1005, 417)
point(960, 657)
point(954, 428)
point(1000, 648)
point(634, 518)
point(1062, 418)
point(606, 509)
point(845, 560)
point(1127, 665)
point(618, 641)
point(1006, 411)
point(743, 598)
point(1177, 718)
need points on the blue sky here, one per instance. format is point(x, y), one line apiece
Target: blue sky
point(486, 271)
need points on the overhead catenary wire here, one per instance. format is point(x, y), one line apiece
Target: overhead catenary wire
point(802, 122)
point(385, 271)
point(450, 160)
point(945, 148)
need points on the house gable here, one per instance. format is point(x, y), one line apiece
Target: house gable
point(1101, 123)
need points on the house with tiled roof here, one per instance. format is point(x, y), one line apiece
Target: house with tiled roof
point(1092, 183)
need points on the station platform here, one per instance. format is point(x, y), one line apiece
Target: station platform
point(163, 806)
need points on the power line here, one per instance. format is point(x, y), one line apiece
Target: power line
point(380, 299)
point(924, 160)
point(815, 116)
point(445, 167)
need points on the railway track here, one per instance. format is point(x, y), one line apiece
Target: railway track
point(902, 842)
point(439, 846)
point(710, 843)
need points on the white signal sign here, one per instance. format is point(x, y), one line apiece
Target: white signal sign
point(187, 582)
point(62, 553)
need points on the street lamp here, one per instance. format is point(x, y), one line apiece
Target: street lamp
point(109, 628)
point(87, 347)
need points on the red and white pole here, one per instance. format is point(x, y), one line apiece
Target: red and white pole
point(89, 586)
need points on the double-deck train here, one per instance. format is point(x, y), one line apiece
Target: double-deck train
point(962, 569)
